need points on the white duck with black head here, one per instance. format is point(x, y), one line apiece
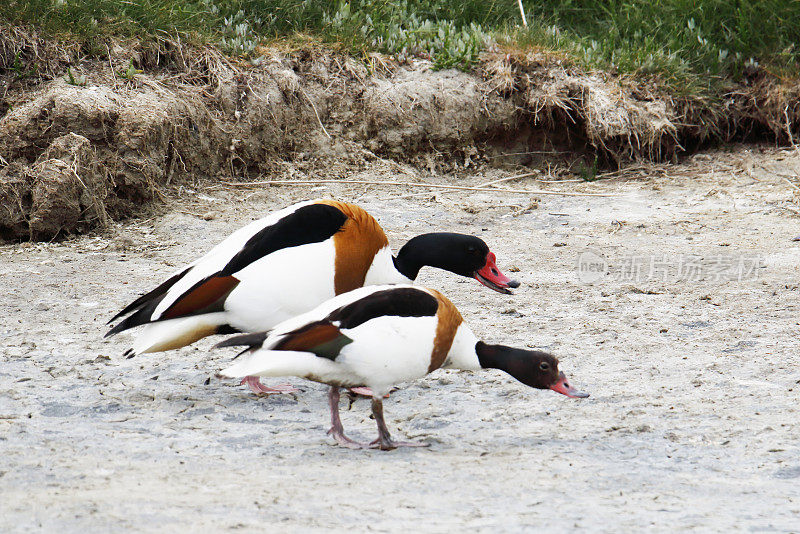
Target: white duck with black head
point(380, 336)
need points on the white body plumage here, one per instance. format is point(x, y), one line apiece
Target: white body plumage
point(385, 350)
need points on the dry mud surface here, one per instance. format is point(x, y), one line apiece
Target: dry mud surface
point(692, 360)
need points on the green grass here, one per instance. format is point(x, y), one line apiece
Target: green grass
point(693, 45)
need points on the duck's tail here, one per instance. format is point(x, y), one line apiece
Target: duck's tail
point(177, 333)
point(277, 363)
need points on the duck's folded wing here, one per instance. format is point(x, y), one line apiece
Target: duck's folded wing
point(321, 338)
point(310, 349)
point(252, 341)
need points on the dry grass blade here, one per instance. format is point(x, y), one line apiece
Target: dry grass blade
point(507, 179)
point(316, 114)
point(415, 184)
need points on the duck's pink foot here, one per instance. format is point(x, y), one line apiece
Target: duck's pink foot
point(255, 385)
point(384, 441)
point(365, 392)
point(344, 441)
point(389, 444)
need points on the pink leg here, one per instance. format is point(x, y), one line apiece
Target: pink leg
point(384, 441)
point(336, 430)
point(255, 385)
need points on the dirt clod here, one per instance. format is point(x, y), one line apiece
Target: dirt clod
point(66, 186)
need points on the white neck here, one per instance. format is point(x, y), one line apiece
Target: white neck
point(383, 271)
point(462, 353)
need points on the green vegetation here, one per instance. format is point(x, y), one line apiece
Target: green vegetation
point(691, 44)
point(74, 79)
point(129, 72)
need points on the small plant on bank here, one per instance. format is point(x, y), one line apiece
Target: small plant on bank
point(74, 79)
point(20, 70)
point(239, 37)
point(130, 72)
point(588, 173)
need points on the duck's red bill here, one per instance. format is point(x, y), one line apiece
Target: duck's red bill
point(563, 387)
point(490, 276)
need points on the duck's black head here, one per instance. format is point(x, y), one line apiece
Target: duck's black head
point(531, 367)
point(458, 253)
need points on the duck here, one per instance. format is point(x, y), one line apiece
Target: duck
point(285, 264)
point(377, 337)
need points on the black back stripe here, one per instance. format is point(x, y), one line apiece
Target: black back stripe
point(400, 302)
point(310, 224)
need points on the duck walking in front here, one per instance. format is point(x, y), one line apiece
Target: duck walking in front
point(377, 337)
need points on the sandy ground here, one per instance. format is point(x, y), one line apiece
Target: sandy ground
point(692, 359)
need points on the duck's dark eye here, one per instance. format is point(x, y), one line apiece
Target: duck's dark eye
point(544, 366)
point(471, 250)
